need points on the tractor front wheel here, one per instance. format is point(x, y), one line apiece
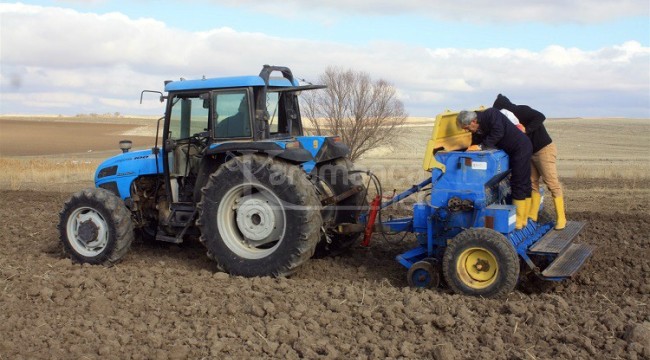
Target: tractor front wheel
point(259, 217)
point(95, 227)
point(481, 262)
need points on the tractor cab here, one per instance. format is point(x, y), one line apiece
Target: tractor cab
point(209, 121)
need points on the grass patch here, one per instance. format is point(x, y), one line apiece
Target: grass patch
point(640, 171)
point(20, 174)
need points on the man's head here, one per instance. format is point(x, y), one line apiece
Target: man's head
point(467, 120)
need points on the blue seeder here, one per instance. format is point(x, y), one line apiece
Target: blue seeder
point(466, 228)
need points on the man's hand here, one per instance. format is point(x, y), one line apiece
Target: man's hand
point(474, 148)
point(522, 128)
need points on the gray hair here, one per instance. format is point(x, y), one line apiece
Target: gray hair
point(465, 118)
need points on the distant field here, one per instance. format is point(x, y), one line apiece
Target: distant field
point(64, 136)
point(586, 148)
point(33, 150)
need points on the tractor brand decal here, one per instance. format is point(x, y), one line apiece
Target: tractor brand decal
point(140, 157)
point(315, 144)
point(125, 173)
point(479, 165)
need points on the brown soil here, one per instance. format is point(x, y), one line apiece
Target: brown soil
point(30, 138)
point(169, 302)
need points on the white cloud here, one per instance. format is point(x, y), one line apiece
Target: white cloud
point(547, 11)
point(104, 66)
point(48, 100)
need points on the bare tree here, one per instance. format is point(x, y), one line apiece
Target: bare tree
point(365, 113)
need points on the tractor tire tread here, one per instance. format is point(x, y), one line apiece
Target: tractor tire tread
point(293, 178)
point(119, 220)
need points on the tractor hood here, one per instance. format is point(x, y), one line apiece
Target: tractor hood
point(117, 173)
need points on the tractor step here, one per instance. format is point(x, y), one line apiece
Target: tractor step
point(181, 214)
point(555, 241)
point(170, 239)
point(569, 261)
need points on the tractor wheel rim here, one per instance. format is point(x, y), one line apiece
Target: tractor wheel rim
point(421, 277)
point(251, 221)
point(87, 231)
point(477, 268)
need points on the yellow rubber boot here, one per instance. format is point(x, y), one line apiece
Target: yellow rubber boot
point(528, 202)
point(535, 200)
point(559, 210)
point(522, 217)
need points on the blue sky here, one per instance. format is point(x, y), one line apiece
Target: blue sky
point(568, 58)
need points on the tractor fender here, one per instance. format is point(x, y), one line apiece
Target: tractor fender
point(272, 148)
point(323, 149)
point(218, 154)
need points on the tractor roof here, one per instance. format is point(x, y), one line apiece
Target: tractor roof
point(226, 82)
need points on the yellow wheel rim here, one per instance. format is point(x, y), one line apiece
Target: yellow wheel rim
point(477, 268)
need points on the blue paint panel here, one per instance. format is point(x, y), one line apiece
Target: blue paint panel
point(313, 145)
point(226, 82)
point(504, 217)
point(421, 213)
point(467, 173)
point(130, 166)
point(398, 225)
point(308, 166)
point(412, 256)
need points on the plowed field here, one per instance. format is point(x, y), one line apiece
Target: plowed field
point(169, 302)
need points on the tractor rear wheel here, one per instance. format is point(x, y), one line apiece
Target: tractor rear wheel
point(481, 262)
point(95, 227)
point(335, 178)
point(259, 216)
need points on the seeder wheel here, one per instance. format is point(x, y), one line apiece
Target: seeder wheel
point(481, 262)
point(423, 274)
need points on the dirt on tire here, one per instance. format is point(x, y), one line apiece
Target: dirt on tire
point(165, 301)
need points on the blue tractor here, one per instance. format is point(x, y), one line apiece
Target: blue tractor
point(234, 170)
point(466, 228)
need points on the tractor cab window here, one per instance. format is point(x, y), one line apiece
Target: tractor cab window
point(189, 116)
point(282, 110)
point(272, 105)
point(232, 114)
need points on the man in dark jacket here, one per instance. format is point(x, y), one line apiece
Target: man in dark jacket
point(492, 129)
point(544, 159)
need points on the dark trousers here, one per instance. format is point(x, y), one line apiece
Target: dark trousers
point(520, 176)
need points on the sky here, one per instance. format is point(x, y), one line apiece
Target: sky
point(566, 58)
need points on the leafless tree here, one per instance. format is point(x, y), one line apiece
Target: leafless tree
point(365, 113)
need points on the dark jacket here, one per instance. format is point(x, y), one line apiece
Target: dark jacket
point(496, 131)
point(532, 120)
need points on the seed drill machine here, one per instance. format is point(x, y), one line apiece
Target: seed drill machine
point(466, 228)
